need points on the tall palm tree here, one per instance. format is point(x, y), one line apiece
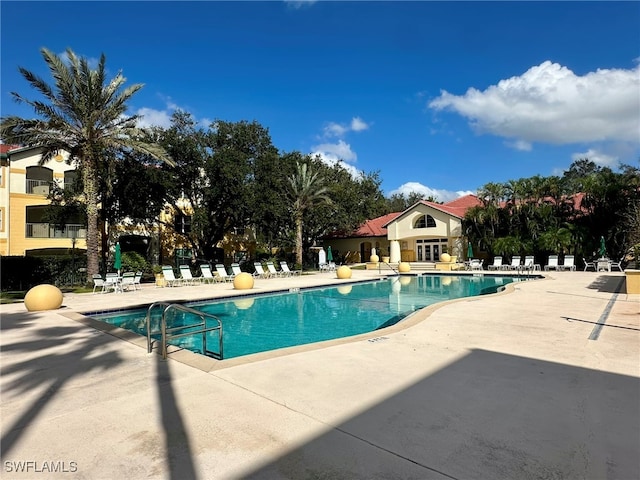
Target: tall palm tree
point(83, 114)
point(307, 188)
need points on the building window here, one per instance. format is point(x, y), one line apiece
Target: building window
point(39, 180)
point(38, 226)
point(182, 223)
point(1, 219)
point(70, 180)
point(425, 221)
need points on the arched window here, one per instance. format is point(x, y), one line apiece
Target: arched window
point(39, 180)
point(425, 221)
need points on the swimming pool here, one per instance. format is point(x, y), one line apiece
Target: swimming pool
point(265, 322)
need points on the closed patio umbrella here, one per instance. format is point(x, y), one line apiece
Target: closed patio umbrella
point(117, 259)
point(469, 250)
point(329, 254)
point(603, 248)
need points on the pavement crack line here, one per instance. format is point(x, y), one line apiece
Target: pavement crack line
point(336, 428)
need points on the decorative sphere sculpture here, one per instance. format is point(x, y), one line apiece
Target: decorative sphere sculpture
point(43, 297)
point(374, 258)
point(343, 272)
point(243, 281)
point(404, 267)
point(445, 257)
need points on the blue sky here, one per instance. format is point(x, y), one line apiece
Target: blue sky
point(439, 97)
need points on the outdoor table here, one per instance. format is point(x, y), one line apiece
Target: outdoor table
point(604, 264)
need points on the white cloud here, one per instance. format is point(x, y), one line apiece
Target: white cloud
point(299, 3)
point(337, 151)
point(550, 104)
point(520, 145)
point(441, 195)
point(597, 157)
point(358, 125)
point(154, 118)
point(333, 129)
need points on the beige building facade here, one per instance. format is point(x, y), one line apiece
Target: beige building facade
point(24, 190)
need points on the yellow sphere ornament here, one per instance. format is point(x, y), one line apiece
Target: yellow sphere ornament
point(243, 281)
point(43, 297)
point(445, 257)
point(404, 267)
point(343, 272)
point(374, 258)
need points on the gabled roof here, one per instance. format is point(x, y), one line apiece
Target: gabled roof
point(456, 208)
point(376, 227)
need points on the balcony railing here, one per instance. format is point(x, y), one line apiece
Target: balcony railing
point(46, 230)
point(38, 187)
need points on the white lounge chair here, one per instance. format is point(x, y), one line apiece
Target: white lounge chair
point(235, 268)
point(187, 277)
point(169, 276)
point(260, 273)
point(137, 281)
point(99, 283)
point(497, 263)
point(222, 273)
point(272, 270)
point(285, 268)
point(569, 263)
point(588, 265)
point(207, 276)
point(552, 264)
point(529, 262)
point(515, 262)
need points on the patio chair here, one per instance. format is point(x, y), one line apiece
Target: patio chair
point(187, 277)
point(223, 274)
point(128, 281)
point(207, 276)
point(112, 281)
point(569, 263)
point(552, 264)
point(285, 268)
point(98, 282)
point(588, 265)
point(476, 264)
point(235, 268)
point(497, 263)
point(169, 276)
point(272, 270)
point(515, 262)
point(137, 281)
point(529, 262)
point(260, 273)
point(617, 264)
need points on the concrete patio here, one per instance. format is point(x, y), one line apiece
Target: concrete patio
point(540, 381)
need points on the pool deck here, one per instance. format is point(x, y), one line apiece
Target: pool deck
point(522, 384)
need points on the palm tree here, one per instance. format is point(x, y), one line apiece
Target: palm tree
point(307, 189)
point(84, 115)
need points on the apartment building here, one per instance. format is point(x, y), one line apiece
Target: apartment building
point(24, 190)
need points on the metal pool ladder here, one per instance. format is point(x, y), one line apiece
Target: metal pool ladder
point(169, 333)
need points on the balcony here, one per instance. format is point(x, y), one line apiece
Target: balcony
point(46, 230)
point(38, 187)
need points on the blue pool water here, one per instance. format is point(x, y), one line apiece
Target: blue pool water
point(268, 322)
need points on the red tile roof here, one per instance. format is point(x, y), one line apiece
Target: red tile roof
point(457, 207)
point(375, 227)
point(4, 147)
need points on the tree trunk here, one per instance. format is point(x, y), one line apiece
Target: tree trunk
point(93, 235)
point(299, 240)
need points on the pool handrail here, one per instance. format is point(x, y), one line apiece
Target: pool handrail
point(168, 333)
